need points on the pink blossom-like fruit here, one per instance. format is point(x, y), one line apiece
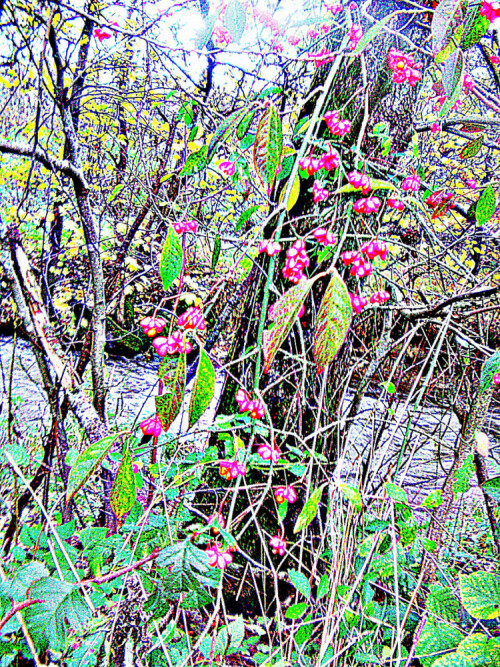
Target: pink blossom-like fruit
point(325, 237)
point(358, 302)
point(496, 378)
point(380, 297)
point(227, 168)
point(152, 326)
point(397, 204)
point(151, 426)
point(218, 558)
point(375, 248)
point(270, 247)
point(212, 519)
point(243, 400)
point(282, 493)
point(355, 35)
point(192, 319)
point(186, 226)
point(360, 181)
point(231, 469)
point(412, 183)
point(278, 545)
point(269, 453)
point(319, 192)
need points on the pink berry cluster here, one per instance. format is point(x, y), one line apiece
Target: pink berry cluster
point(278, 545)
point(152, 325)
point(327, 161)
point(151, 426)
point(360, 267)
point(358, 301)
point(171, 345)
point(282, 493)
point(412, 183)
point(246, 404)
point(297, 260)
point(395, 203)
point(360, 181)
point(320, 193)
point(227, 168)
point(186, 226)
point(368, 205)
point(192, 319)
point(231, 469)
point(333, 6)
point(217, 557)
point(266, 19)
point(269, 453)
point(335, 125)
point(322, 57)
point(270, 247)
point(496, 378)
point(403, 66)
point(490, 9)
point(216, 518)
point(324, 237)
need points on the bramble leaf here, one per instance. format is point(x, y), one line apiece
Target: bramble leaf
point(170, 259)
point(485, 207)
point(86, 464)
point(268, 146)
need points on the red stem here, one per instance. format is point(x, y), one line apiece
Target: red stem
point(15, 608)
point(114, 575)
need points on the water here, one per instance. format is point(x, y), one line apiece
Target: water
point(429, 435)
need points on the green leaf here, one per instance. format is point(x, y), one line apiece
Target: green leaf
point(284, 314)
point(480, 594)
point(216, 251)
point(453, 73)
point(450, 47)
point(371, 34)
point(477, 650)
point(463, 475)
point(236, 630)
point(492, 487)
point(286, 167)
point(16, 588)
point(169, 403)
point(485, 207)
point(203, 388)
point(267, 92)
point(490, 367)
point(245, 216)
point(377, 184)
point(441, 25)
point(332, 323)
point(396, 493)
point(86, 464)
point(309, 511)
point(301, 583)
point(295, 611)
point(87, 653)
point(353, 496)
point(224, 130)
point(433, 499)
point(435, 638)
point(235, 19)
point(116, 191)
point(62, 609)
point(204, 36)
point(390, 387)
point(323, 587)
point(476, 26)
point(245, 123)
point(443, 603)
point(123, 491)
point(268, 146)
point(282, 510)
point(170, 259)
point(195, 162)
point(472, 148)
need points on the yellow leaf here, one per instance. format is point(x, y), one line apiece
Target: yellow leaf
point(294, 194)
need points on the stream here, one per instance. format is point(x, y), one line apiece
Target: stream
point(429, 434)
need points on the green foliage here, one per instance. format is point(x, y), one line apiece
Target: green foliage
point(268, 146)
point(203, 388)
point(463, 475)
point(170, 259)
point(436, 637)
point(216, 251)
point(443, 602)
point(301, 583)
point(490, 367)
point(295, 611)
point(396, 493)
point(309, 511)
point(472, 148)
point(169, 403)
point(353, 495)
point(61, 607)
point(492, 487)
point(332, 323)
point(485, 207)
point(480, 594)
point(123, 491)
point(86, 464)
point(195, 162)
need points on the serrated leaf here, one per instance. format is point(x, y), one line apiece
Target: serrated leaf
point(453, 73)
point(332, 323)
point(370, 34)
point(123, 491)
point(286, 168)
point(472, 148)
point(301, 583)
point(235, 19)
point(87, 652)
point(62, 608)
point(237, 631)
point(490, 367)
point(284, 314)
point(224, 130)
point(396, 493)
point(309, 511)
point(480, 594)
point(443, 603)
point(463, 475)
point(169, 403)
point(433, 499)
point(195, 162)
point(216, 251)
point(435, 638)
point(268, 146)
point(478, 649)
point(485, 207)
point(295, 611)
point(323, 587)
point(492, 487)
point(170, 259)
point(16, 588)
point(353, 496)
point(86, 464)
point(442, 20)
point(203, 388)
